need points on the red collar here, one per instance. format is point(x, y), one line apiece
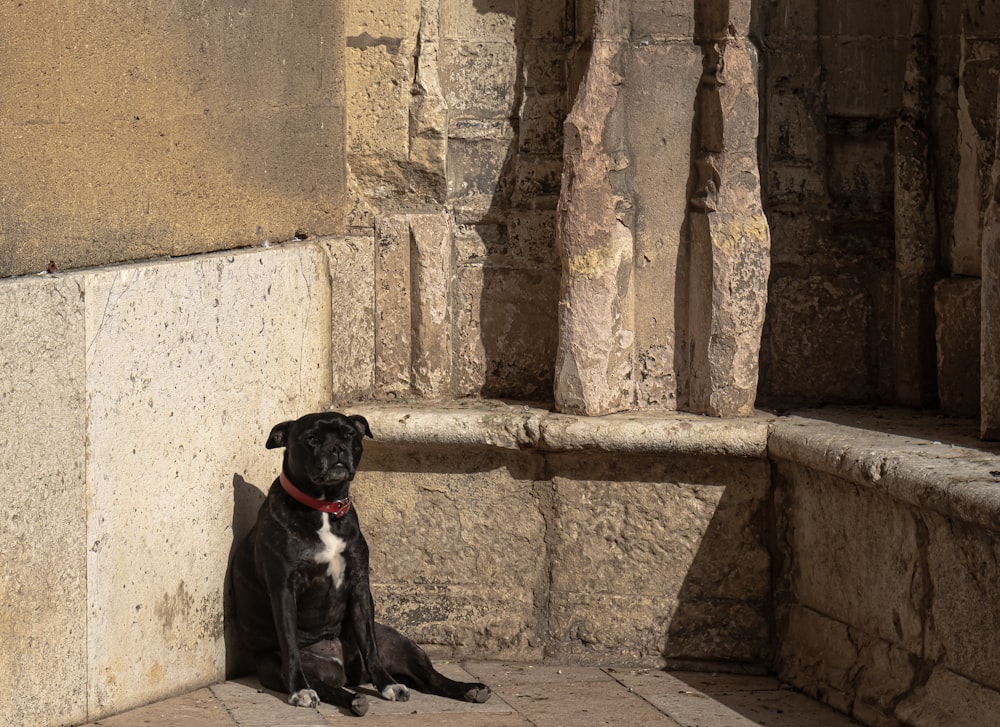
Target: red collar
point(337, 508)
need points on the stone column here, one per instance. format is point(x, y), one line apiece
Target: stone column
point(593, 372)
point(913, 350)
point(413, 263)
point(660, 295)
point(989, 352)
point(727, 233)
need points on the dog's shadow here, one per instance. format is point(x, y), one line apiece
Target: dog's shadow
point(247, 500)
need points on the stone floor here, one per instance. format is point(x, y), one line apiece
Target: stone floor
point(524, 695)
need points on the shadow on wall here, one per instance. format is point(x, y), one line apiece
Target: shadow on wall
point(518, 306)
point(247, 499)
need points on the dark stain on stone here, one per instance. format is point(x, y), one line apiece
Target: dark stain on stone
point(366, 41)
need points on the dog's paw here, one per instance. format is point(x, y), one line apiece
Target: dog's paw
point(477, 693)
point(359, 705)
point(396, 693)
point(304, 698)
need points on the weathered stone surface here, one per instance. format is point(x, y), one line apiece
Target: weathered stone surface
point(891, 453)
point(134, 132)
point(43, 461)
point(962, 566)
point(596, 306)
point(393, 301)
point(830, 527)
point(728, 235)
point(915, 226)
point(442, 569)
point(813, 350)
point(413, 305)
point(957, 311)
point(351, 265)
point(495, 424)
point(989, 359)
point(659, 112)
point(949, 698)
point(672, 566)
point(882, 639)
point(179, 403)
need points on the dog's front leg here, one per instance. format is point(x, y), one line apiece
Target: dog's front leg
point(284, 608)
point(364, 627)
point(363, 622)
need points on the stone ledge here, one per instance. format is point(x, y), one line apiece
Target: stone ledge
point(923, 460)
point(527, 426)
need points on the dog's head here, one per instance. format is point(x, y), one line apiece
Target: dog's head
point(322, 449)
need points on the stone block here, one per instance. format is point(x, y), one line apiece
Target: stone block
point(489, 20)
point(378, 96)
point(949, 698)
point(659, 560)
point(962, 564)
point(831, 527)
point(816, 344)
point(867, 77)
point(989, 358)
point(180, 400)
point(177, 132)
point(957, 312)
point(393, 332)
point(542, 116)
point(43, 654)
point(351, 262)
point(456, 545)
point(596, 297)
point(794, 126)
point(657, 19)
point(518, 330)
point(479, 78)
point(480, 177)
point(413, 305)
point(660, 117)
point(846, 668)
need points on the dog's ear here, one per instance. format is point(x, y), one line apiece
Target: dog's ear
point(361, 424)
point(279, 435)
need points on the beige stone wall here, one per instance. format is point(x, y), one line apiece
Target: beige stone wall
point(513, 533)
point(136, 130)
point(136, 401)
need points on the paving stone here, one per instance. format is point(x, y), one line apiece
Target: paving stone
point(251, 706)
point(587, 703)
point(200, 708)
point(699, 700)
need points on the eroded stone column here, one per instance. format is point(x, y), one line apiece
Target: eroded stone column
point(989, 352)
point(728, 235)
point(596, 320)
point(413, 263)
point(913, 350)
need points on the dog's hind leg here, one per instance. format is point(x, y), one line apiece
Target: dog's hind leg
point(323, 665)
point(410, 664)
point(324, 671)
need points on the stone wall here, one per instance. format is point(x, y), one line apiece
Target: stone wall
point(514, 533)
point(881, 135)
point(135, 404)
point(136, 130)
point(887, 573)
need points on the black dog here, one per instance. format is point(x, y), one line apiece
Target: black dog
point(303, 603)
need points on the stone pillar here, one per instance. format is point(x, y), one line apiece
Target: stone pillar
point(593, 372)
point(913, 350)
point(660, 295)
point(727, 233)
point(413, 262)
point(989, 352)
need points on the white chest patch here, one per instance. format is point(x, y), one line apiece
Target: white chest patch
point(331, 551)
